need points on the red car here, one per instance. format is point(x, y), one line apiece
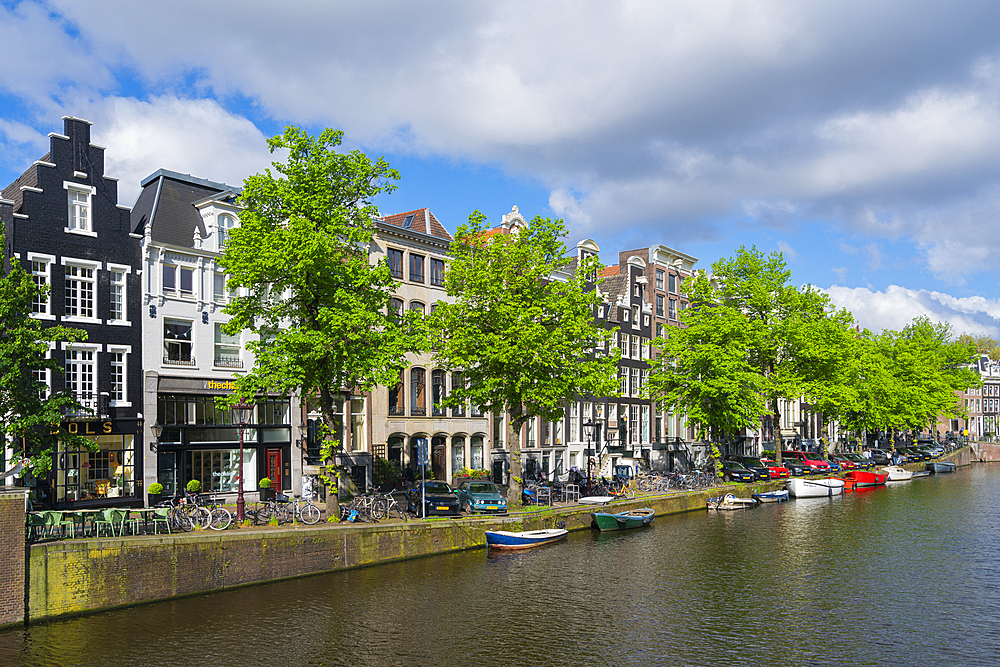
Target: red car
point(844, 463)
point(815, 462)
point(777, 472)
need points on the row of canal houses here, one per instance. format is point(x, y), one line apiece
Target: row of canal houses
point(145, 285)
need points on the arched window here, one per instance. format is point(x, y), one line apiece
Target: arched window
point(476, 452)
point(456, 381)
point(417, 307)
point(225, 223)
point(457, 454)
point(418, 392)
point(397, 401)
point(437, 388)
point(396, 307)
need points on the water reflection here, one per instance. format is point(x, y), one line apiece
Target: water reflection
point(902, 574)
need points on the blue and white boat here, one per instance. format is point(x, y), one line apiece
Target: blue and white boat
point(772, 496)
point(502, 539)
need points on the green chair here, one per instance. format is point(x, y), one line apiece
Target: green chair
point(55, 524)
point(36, 525)
point(161, 516)
point(105, 518)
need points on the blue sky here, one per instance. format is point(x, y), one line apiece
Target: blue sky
point(860, 138)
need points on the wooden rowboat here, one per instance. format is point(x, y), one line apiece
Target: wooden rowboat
point(867, 477)
point(941, 466)
point(772, 496)
point(623, 520)
point(502, 539)
point(730, 502)
point(897, 474)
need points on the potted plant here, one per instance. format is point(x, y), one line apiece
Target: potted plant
point(194, 486)
point(153, 493)
point(266, 492)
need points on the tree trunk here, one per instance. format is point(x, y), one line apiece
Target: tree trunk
point(332, 474)
point(777, 431)
point(516, 472)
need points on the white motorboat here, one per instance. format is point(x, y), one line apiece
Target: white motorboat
point(897, 474)
point(730, 502)
point(814, 488)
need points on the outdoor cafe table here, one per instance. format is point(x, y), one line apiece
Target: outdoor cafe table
point(80, 517)
point(144, 513)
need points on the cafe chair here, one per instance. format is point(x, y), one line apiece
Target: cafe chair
point(161, 516)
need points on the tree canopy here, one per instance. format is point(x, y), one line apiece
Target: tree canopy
point(317, 301)
point(522, 335)
point(30, 416)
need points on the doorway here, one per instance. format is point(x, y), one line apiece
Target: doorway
point(274, 469)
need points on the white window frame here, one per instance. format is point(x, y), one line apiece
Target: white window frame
point(222, 230)
point(634, 381)
point(176, 292)
point(125, 351)
point(124, 271)
point(45, 374)
point(88, 191)
point(190, 362)
point(83, 264)
point(48, 261)
point(74, 378)
point(217, 327)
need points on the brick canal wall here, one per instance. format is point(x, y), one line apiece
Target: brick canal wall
point(12, 538)
point(986, 451)
point(84, 575)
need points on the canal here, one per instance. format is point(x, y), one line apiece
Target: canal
point(906, 574)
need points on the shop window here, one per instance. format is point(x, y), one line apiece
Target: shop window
point(109, 472)
point(218, 469)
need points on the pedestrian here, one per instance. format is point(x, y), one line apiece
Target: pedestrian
point(409, 479)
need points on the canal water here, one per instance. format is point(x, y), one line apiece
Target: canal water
point(906, 574)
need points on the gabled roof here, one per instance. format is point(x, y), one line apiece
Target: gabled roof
point(28, 179)
point(608, 271)
point(420, 220)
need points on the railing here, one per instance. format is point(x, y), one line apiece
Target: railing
point(92, 403)
point(418, 412)
point(228, 362)
point(439, 412)
point(179, 360)
point(397, 411)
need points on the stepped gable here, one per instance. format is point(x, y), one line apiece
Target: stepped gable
point(28, 179)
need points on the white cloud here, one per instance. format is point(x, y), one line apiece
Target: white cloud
point(896, 306)
point(787, 251)
point(197, 137)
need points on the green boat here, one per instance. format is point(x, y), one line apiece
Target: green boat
point(623, 520)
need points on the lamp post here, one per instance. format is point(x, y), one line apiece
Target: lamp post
point(241, 417)
point(157, 430)
point(588, 427)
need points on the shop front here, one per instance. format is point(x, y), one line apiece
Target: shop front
point(199, 441)
point(105, 476)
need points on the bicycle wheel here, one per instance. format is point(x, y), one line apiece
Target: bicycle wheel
point(221, 518)
point(201, 516)
point(285, 513)
point(263, 515)
point(379, 508)
point(398, 510)
point(179, 520)
point(309, 514)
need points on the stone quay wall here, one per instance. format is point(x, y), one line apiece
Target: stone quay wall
point(80, 576)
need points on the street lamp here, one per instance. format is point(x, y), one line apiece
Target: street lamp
point(241, 417)
point(157, 429)
point(588, 429)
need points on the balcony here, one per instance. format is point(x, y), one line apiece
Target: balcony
point(178, 360)
point(92, 404)
point(397, 411)
point(418, 412)
point(228, 362)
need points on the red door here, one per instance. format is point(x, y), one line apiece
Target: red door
point(274, 469)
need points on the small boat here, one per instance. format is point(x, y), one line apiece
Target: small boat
point(623, 520)
point(941, 466)
point(863, 478)
point(596, 500)
point(502, 539)
point(815, 488)
point(730, 502)
point(896, 474)
point(772, 496)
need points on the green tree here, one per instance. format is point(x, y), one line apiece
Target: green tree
point(30, 420)
point(750, 339)
point(317, 301)
point(984, 344)
point(523, 340)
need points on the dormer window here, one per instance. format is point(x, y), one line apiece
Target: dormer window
point(408, 221)
point(225, 224)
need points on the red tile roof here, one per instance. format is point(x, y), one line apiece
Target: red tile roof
point(423, 221)
point(608, 271)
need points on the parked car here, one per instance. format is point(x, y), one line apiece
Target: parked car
point(813, 461)
point(842, 461)
point(777, 471)
point(832, 465)
point(881, 457)
point(754, 465)
point(735, 472)
point(793, 466)
point(936, 450)
point(860, 461)
point(438, 498)
point(479, 495)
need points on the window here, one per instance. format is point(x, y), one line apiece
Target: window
point(659, 279)
point(178, 280)
point(638, 289)
point(80, 291)
point(416, 268)
point(437, 387)
point(623, 381)
point(634, 424)
point(457, 453)
point(673, 283)
point(645, 423)
point(118, 394)
point(574, 422)
point(624, 345)
point(117, 300)
point(80, 376)
point(532, 432)
point(635, 316)
point(79, 219)
point(673, 309)
point(396, 263)
point(418, 392)
point(43, 376)
point(397, 402)
point(219, 288)
point(177, 342)
point(227, 349)
point(644, 348)
point(660, 330)
point(417, 307)
point(634, 372)
point(476, 452)
point(437, 272)
point(396, 307)
point(635, 347)
point(41, 274)
point(226, 223)
point(456, 381)
point(659, 305)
